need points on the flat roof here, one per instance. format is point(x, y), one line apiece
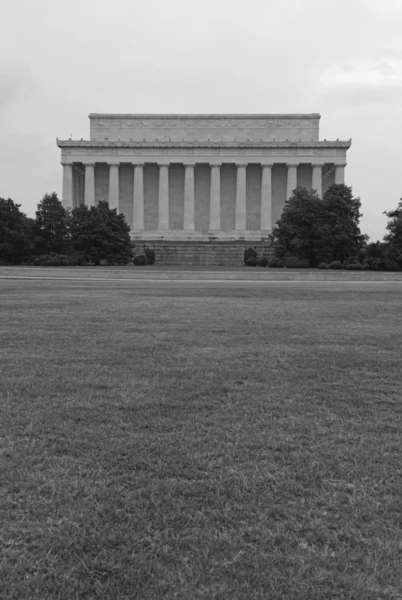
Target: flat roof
point(206, 116)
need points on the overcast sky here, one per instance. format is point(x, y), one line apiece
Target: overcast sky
point(61, 60)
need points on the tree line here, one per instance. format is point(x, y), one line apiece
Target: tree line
point(327, 230)
point(83, 235)
point(310, 229)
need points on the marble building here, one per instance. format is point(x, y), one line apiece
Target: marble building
point(199, 177)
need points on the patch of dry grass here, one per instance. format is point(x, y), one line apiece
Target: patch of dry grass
point(200, 441)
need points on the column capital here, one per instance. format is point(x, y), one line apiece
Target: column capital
point(66, 164)
point(341, 164)
point(189, 164)
point(163, 164)
point(137, 163)
point(241, 164)
point(113, 164)
point(316, 165)
point(215, 164)
point(265, 165)
point(89, 164)
point(291, 164)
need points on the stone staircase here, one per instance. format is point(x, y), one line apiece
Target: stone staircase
point(201, 254)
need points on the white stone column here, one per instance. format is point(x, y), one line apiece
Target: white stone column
point(241, 197)
point(81, 179)
point(340, 173)
point(215, 198)
point(189, 194)
point(89, 197)
point(317, 179)
point(114, 186)
point(266, 198)
point(138, 198)
point(67, 197)
point(163, 203)
point(291, 180)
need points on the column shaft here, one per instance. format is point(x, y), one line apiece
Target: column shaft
point(90, 184)
point(292, 180)
point(215, 199)
point(114, 186)
point(188, 221)
point(163, 204)
point(317, 179)
point(241, 198)
point(67, 197)
point(138, 199)
point(340, 173)
point(266, 198)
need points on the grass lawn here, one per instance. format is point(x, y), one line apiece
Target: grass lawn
point(200, 440)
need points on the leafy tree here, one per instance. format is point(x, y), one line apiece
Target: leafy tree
point(297, 233)
point(339, 228)
point(50, 227)
point(319, 230)
point(393, 239)
point(15, 233)
point(99, 233)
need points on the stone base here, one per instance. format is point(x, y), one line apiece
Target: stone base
point(201, 253)
point(201, 236)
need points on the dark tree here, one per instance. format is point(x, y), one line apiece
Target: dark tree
point(339, 229)
point(319, 230)
point(393, 239)
point(50, 226)
point(16, 233)
point(99, 233)
point(297, 232)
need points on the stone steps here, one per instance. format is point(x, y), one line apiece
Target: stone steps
point(211, 254)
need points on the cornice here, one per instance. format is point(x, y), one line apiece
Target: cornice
point(205, 116)
point(195, 144)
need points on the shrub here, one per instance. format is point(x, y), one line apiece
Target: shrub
point(140, 260)
point(262, 262)
point(351, 260)
point(251, 261)
point(354, 267)
point(150, 254)
point(323, 265)
point(64, 260)
point(273, 263)
point(249, 253)
point(374, 264)
point(36, 262)
point(303, 263)
point(291, 262)
point(335, 264)
point(54, 261)
point(390, 265)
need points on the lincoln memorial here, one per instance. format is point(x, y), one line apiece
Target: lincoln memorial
point(199, 177)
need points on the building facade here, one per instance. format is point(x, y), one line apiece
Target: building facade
point(197, 177)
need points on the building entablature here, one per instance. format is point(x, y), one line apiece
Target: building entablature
point(201, 144)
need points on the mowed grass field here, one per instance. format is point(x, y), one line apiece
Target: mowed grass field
point(200, 441)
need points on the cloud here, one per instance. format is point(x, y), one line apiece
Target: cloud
point(14, 79)
point(369, 73)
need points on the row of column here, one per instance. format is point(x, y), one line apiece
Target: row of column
point(189, 193)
